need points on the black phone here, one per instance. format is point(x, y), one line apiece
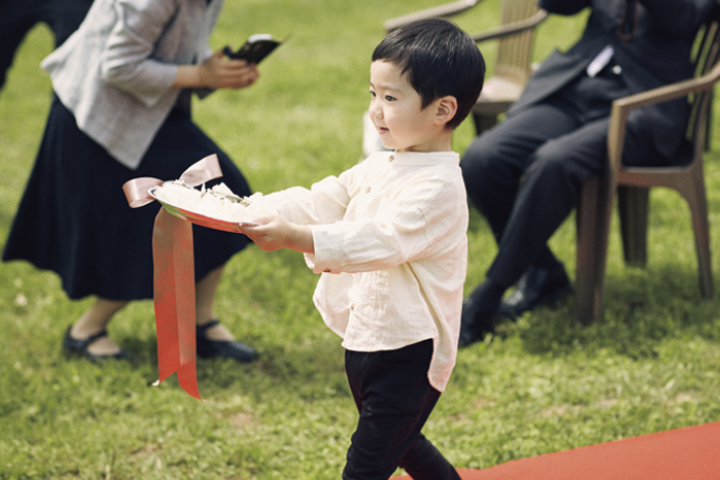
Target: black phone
point(255, 49)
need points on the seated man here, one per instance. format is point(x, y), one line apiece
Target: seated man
point(526, 174)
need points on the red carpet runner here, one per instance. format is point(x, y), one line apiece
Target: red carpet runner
point(691, 453)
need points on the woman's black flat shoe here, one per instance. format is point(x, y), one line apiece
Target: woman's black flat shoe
point(80, 347)
point(207, 348)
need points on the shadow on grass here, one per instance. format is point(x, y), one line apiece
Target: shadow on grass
point(298, 368)
point(643, 307)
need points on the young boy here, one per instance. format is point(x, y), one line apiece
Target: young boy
point(388, 237)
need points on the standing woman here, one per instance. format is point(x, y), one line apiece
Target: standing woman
point(121, 110)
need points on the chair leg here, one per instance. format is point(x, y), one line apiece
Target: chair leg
point(697, 201)
point(586, 238)
point(593, 230)
point(702, 246)
point(633, 205)
point(590, 255)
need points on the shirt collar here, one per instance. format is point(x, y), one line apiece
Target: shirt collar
point(422, 158)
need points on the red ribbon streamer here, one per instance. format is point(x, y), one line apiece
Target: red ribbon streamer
point(174, 277)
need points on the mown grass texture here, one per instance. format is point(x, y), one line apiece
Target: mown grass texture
point(541, 385)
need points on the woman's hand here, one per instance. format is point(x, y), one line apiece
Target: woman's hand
point(217, 72)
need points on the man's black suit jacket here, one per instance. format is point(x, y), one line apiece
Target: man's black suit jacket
point(657, 54)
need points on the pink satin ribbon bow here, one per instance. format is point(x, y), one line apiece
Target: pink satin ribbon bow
point(174, 277)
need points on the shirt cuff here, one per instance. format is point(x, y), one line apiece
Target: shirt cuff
point(328, 242)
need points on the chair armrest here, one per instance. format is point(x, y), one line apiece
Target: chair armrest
point(446, 10)
point(511, 28)
point(622, 107)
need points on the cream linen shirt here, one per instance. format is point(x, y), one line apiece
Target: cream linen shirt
point(391, 248)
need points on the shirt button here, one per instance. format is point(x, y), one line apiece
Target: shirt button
point(391, 158)
point(367, 189)
point(352, 306)
point(617, 69)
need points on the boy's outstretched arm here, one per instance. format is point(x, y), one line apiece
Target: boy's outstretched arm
point(273, 232)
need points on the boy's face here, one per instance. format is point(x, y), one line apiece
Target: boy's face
point(395, 110)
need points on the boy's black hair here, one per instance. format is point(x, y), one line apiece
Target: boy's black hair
point(439, 59)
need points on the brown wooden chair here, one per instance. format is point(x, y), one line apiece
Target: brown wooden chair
point(632, 184)
point(512, 67)
point(441, 11)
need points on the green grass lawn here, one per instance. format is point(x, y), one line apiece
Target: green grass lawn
point(544, 384)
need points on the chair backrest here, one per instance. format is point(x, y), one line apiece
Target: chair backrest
point(514, 52)
point(706, 54)
point(441, 11)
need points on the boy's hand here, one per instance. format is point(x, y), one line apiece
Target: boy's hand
point(273, 233)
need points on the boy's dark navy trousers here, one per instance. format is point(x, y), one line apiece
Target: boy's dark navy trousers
point(394, 398)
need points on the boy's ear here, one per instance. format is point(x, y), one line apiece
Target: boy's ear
point(446, 109)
